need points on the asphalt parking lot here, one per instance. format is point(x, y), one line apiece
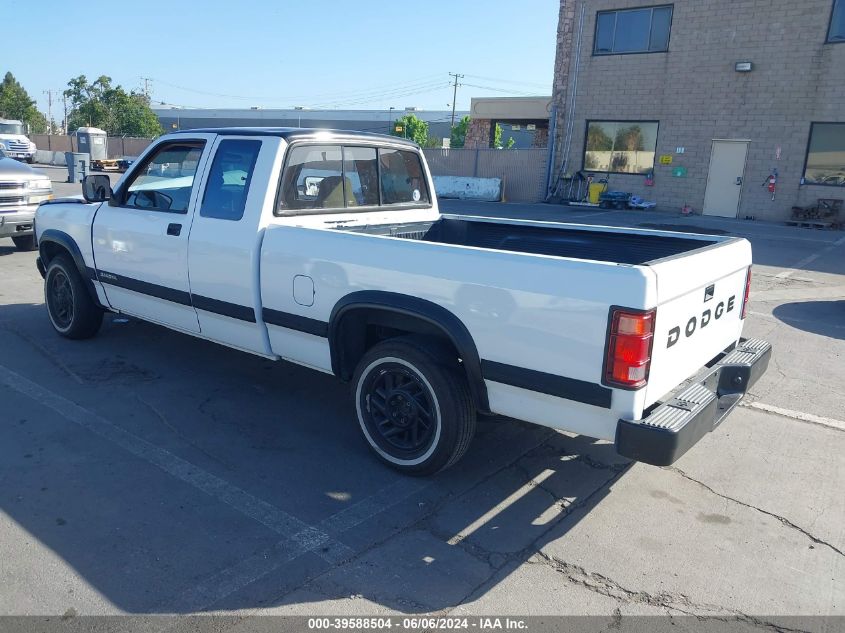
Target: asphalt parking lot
point(144, 471)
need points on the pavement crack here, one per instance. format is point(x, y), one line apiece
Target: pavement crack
point(606, 586)
point(676, 601)
point(179, 433)
point(786, 522)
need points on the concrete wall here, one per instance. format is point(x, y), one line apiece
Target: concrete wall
point(696, 94)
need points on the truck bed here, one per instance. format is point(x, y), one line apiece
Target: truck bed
point(621, 247)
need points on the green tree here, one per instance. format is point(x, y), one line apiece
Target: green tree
point(497, 139)
point(15, 103)
point(459, 133)
point(111, 108)
point(412, 128)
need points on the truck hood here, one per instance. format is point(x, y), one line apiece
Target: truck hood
point(14, 168)
point(14, 137)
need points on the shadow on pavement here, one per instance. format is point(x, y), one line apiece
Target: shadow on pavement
point(819, 317)
point(149, 542)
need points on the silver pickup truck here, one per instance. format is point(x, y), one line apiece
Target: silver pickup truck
point(22, 189)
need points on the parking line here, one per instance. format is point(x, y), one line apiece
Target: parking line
point(786, 274)
point(797, 415)
point(303, 536)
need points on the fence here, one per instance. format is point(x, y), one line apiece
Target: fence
point(523, 171)
point(118, 146)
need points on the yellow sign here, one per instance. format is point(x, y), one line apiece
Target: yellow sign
point(666, 159)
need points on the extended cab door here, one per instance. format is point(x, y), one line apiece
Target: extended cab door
point(141, 237)
point(225, 244)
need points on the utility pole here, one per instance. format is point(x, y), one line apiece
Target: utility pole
point(147, 89)
point(64, 121)
point(49, 94)
point(454, 96)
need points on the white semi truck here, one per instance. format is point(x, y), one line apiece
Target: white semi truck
point(14, 142)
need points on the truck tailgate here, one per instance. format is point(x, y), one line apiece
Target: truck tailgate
point(699, 307)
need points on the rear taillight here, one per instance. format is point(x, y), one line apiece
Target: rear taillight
point(747, 292)
point(628, 354)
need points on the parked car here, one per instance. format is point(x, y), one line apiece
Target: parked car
point(22, 189)
point(327, 249)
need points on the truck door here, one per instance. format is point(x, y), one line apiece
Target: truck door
point(225, 244)
point(141, 237)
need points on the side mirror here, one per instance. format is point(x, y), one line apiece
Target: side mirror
point(96, 188)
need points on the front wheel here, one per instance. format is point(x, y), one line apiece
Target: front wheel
point(24, 242)
point(71, 310)
point(413, 406)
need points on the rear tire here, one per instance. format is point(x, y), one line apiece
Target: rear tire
point(71, 310)
point(24, 242)
point(413, 405)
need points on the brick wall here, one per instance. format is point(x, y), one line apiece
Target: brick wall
point(478, 134)
point(695, 93)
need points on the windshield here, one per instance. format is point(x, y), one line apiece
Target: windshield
point(11, 128)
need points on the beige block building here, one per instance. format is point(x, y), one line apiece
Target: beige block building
point(709, 98)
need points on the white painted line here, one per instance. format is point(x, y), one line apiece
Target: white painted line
point(230, 580)
point(786, 274)
point(797, 415)
point(302, 535)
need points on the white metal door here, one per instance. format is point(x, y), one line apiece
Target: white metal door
point(725, 178)
point(141, 243)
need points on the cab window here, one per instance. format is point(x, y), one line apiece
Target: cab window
point(165, 180)
point(313, 179)
point(402, 177)
point(229, 179)
point(342, 177)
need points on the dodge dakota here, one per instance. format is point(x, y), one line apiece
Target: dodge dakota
point(327, 249)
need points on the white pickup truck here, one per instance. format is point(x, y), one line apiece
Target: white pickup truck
point(327, 249)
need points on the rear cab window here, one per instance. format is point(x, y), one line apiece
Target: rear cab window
point(334, 178)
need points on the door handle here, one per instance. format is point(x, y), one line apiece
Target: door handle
point(739, 180)
point(174, 229)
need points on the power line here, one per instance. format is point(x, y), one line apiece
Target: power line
point(509, 81)
point(503, 90)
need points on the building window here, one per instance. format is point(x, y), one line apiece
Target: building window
point(633, 31)
point(825, 164)
point(836, 31)
point(620, 147)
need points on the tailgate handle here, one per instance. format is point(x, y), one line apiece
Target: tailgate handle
point(739, 180)
point(174, 229)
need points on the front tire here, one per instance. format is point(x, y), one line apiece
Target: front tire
point(414, 406)
point(70, 308)
point(24, 242)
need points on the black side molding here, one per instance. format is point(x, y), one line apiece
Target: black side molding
point(232, 310)
point(295, 322)
point(136, 285)
point(550, 384)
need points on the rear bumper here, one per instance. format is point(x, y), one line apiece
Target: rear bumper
point(673, 427)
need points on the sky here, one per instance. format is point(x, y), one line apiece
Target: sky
point(368, 54)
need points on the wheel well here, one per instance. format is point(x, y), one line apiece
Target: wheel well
point(48, 250)
point(358, 329)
